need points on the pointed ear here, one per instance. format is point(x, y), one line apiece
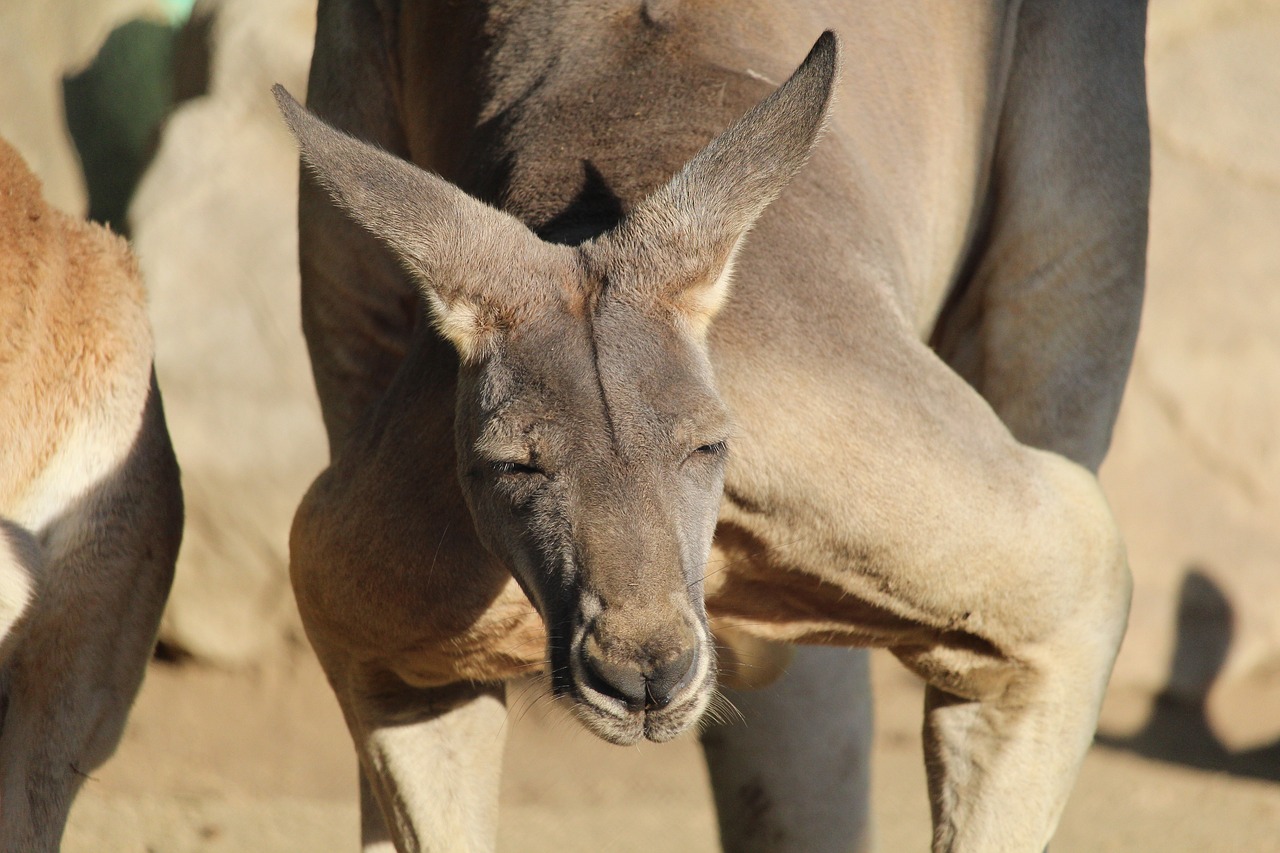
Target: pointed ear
point(679, 244)
point(461, 252)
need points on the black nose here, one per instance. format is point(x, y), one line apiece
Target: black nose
point(639, 683)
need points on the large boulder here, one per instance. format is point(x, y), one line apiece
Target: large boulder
point(213, 225)
point(1194, 474)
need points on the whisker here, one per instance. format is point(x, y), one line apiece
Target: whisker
point(723, 712)
point(426, 580)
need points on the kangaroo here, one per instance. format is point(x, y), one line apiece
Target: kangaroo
point(615, 347)
point(90, 504)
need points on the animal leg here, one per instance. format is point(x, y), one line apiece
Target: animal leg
point(430, 761)
point(1045, 332)
point(1008, 723)
point(20, 566)
point(1011, 608)
point(375, 837)
point(1045, 328)
point(83, 646)
point(357, 306)
point(793, 774)
point(914, 521)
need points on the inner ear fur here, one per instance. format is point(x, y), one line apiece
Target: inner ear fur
point(677, 247)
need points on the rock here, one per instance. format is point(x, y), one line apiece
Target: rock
point(213, 224)
point(1194, 473)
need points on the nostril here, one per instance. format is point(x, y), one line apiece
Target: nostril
point(646, 686)
point(666, 680)
point(622, 682)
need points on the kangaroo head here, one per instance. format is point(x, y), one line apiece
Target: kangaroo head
point(591, 441)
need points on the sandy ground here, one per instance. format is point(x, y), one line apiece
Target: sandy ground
point(260, 761)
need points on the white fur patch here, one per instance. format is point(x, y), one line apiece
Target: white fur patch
point(699, 304)
point(92, 450)
point(17, 586)
point(459, 321)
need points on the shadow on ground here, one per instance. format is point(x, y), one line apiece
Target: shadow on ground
point(116, 107)
point(1178, 730)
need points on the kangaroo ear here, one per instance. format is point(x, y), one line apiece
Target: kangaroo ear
point(678, 245)
point(465, 256)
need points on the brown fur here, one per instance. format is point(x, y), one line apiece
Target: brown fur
point(90, 507)
point(98, 316)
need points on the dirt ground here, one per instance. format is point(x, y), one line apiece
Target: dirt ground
point(260, 761)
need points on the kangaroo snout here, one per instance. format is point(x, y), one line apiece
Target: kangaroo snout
point(641, 672)
point(642, 678)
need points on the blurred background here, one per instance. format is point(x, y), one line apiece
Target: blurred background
point(155, 117)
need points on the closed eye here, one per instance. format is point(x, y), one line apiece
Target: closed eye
point(716, 448)
point(513, 468)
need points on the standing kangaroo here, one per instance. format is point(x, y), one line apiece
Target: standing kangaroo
point(674, 371)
